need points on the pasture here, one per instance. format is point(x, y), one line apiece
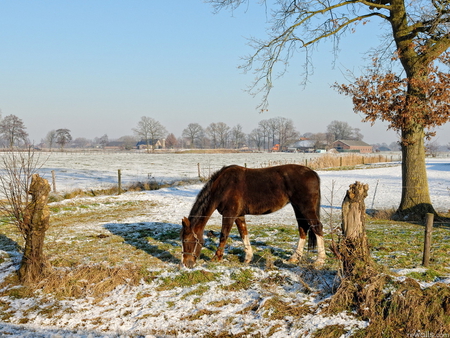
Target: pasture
point(116, 262)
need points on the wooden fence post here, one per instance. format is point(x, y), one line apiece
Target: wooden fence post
point(54, 181)
point(119, 180)
point(427, 240)
point(198, 170)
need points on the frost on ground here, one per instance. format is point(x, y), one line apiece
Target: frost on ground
point(268, 298)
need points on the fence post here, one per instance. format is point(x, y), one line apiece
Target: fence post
point(198, 170)
point(427, 240)
point(119, 179)
point(54, 181)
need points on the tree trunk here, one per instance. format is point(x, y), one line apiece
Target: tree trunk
point(36, 222)
point(415, 202)
point(353, 248)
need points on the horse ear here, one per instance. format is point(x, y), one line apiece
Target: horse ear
point(185, 222)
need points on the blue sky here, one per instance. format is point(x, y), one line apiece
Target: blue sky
point(96, 67)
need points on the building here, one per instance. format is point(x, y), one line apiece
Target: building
point(303, 146)
point(352, 146)
point(153, 144)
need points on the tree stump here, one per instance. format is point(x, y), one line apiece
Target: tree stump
point(353, 247)
point(35, 223)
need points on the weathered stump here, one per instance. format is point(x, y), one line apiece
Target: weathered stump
point(35, 223)
point(353, 247)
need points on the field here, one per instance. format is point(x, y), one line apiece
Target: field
point(116, 257)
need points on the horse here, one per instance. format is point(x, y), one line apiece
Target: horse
point(236, 191)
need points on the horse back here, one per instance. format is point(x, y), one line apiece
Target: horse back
point(265, 190)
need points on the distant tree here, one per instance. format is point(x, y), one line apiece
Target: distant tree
point(320, 140)
point(395, 146)
point(432, 148)
point(212, 132)
point(50, 139)
point(272, 125)
point(223, 133)
point(171, 141)
point(81, 142)
point(286, 131)
point(63, 137)
point(129, 141)
point(103, 141)
point(237, 137)
point(13, 131)
point(194, 133)
point(149, 130)
point(263, 126)
point(256, 137)
point(340, 130)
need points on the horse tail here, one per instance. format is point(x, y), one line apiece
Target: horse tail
point(315, 229)
point(312, 239)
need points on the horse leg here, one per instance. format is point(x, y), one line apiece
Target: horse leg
point(242, 227)
point(227, 223)
point(310, 221)
point(307, 220)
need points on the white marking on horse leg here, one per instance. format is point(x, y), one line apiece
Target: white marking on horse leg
point(248, 249)
point(298, 253)
point(320, 251)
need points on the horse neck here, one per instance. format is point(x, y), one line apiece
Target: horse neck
point(198, 220)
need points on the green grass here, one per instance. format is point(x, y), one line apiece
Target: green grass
point(72, 243)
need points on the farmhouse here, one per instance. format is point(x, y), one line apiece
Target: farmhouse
point(155, 143)
point(352, 146)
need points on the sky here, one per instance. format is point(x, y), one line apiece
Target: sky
point(97, 67)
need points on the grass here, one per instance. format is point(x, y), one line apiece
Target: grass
point(91, 261)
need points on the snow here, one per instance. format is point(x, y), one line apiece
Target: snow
point(124, 313)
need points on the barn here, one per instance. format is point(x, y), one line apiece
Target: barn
point(352, 146)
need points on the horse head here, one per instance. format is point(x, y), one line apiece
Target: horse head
point(191, 242)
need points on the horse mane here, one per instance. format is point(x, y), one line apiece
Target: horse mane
point(201, 202)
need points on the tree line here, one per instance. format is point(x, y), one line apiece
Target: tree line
point(217, 135)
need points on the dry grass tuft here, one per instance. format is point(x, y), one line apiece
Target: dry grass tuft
point(393, 307)
point(93, 281)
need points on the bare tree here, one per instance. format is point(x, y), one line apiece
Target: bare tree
point(223, 133)
point(149, 130)
point(212, 132)
point(81, 142)
point(286, 131)
point(237, 136)
point(50, 139)
point(129, 141)
point(341, 130)
point(63, 137)
point(194, 133)
point(103, 141)
point(18, 180)
point(257, 138)
point(263, 126)
point(13, 130)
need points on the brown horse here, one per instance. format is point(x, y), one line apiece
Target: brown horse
point(237, 191)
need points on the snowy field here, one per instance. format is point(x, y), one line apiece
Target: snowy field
point(92, 171)
point(126, 313)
